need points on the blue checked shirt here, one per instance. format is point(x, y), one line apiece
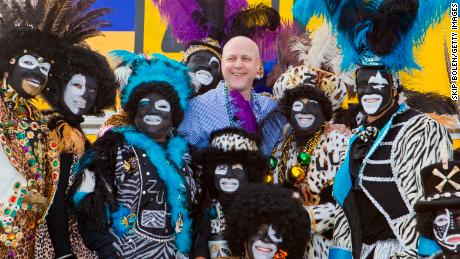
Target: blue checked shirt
point(208, 112)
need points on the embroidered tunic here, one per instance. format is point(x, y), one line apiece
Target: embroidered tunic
point(29, 164)
point(316, 187)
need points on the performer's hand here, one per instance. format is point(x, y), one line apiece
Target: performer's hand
point(37, 199)
point(340, 127)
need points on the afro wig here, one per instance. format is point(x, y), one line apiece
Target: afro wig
point(17, 41)
point(309, 92)
point(254, 162)
point(259, 204)
point(162, 89)
point(86, 62)
point(425, 223)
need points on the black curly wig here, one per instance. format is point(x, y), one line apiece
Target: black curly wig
point(48, 46)
point(259, 204)
point(254, 163)
point(86, 62)
point(425, 223)
point(165, 91)
point(309, 92)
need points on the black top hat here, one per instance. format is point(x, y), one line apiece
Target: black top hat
point(441, 187)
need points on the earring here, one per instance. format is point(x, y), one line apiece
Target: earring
point(260, 72)
point(12, 61)
point(172, 132)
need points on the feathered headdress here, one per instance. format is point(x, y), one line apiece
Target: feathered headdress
point(47, 28)
point(208, 24)
point(199, 24)
point(137, 70)
point(320, 68)
point(376, 32)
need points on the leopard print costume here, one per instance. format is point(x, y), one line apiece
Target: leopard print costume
point(44, 247)
point(326, 159)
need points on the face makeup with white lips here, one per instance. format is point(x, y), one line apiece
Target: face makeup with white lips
point(29, 75)
point(206, 67)
point(153, 116)
point(264, 244)
point(229, 178)
point(375, 91)
point(446, 230)
point(80, 94)
point(306, 116)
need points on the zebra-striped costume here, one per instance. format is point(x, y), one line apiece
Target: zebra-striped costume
point(140, 190)
point(408, 142)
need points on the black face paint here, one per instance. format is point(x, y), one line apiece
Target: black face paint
point(206, 67)
point(80, 94)
point(29, 75)
point(446, 229)
point(306, 116)
point(153, 116)
point(229, 178)
point(263, 244)
point(375, 90)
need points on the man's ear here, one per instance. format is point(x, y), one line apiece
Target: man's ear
point(395, 92)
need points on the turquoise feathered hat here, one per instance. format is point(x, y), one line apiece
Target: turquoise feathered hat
point(137, 69)
point(376, 32)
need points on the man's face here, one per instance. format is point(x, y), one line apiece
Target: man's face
point(240, 63)
point(446, 229)
point(306, 116)
point(153, 116)
point(29, 75)
point(263, 244)
point(229, 178)
point(206, 67)
point(375, 91)
point(80, 94)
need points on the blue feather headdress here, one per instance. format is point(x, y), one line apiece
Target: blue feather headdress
point(376, 32)
point(137, 70)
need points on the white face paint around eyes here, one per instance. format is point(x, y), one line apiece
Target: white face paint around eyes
point(272, 235)
point(229, 185)
point(378, 81)
point(73, 93)
point(28, 62)
point(371, 103)
point(45, 68)
point(441, 220)
point(214, 59)
point(163, 105)
point(297, 106)
point(262, 250)
point(221, 169)
point(237, 166)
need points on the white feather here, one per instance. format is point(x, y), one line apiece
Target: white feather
point(324, 50)
point(122, 75)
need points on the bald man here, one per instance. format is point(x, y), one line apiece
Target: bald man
point(241, 65)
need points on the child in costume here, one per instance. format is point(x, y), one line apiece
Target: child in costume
point(268, 222)
point(135, 187)
point(377, 185)
point(438, 212)
point(232, 160)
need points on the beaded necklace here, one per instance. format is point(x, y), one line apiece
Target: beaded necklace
point(298, 172)
point(231, 110)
